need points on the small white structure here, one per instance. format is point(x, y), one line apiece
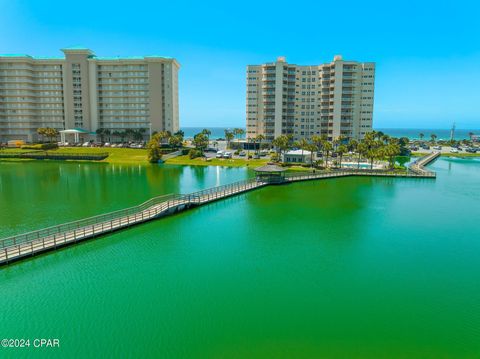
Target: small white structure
point(297, 156)
point(76, 132)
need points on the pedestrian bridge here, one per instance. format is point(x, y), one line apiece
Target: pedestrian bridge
point(51, 238)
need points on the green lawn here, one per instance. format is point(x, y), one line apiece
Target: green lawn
point(234, 162)
point(115, 155)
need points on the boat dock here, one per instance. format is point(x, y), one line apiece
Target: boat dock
point(28, 244)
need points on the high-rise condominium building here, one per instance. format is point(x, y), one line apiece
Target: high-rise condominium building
point(331, 99)
point(88, 92)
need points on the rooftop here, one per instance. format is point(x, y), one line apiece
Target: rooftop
point(298, 152)
point(270, 168)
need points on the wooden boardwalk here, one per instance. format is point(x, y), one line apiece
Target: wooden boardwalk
point(31, 243)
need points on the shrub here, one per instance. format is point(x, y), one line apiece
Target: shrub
point(41, 146)
point(185, 151)
point(194, 153)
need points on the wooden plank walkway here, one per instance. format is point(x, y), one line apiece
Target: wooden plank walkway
point(31, 243)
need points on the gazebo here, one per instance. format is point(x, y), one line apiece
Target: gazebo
point(76, 132)
point(270, 173)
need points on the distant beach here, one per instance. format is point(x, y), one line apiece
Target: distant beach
point(411, 133)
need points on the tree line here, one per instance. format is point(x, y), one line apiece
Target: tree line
point(126, 134)
point(374, 146)
point(163, 139)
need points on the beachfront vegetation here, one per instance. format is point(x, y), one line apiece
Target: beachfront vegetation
point(48, 132)
point(162, 142)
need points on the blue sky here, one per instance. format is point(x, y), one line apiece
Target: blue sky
point(427, 52)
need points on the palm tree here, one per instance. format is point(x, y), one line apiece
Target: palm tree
point(41, 132)
point(154, 152)
point(117, 134)
point(281, 143)
point(327, 147)
point(421, 135)
point(260, 138)
point(164, 135)
point(238, 132)
point(433, 137)
point(471, 134)
point(207, 133)
point(391, 151)
point(107, 133)
point(379, 134)
point(361, 150)
point(228, 136)
point(341, 150)
point(180, 133)
point(317, 141)
point(175, 141)
point(100, 132)
point(312, 148)
point(303, 144)
point(200, 141)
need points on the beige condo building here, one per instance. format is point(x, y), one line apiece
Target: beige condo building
point(330, 99)
point(84, 91)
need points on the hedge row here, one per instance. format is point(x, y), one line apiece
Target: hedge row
point(41, 146)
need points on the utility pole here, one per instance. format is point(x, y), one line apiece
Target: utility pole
point(452, 132)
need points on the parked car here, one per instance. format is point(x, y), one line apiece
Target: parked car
point(219, 154)
point(453, 150)
point(227, 155)
point(471, 150)
point(242, 154)
point(437, 147)
point(107, 144)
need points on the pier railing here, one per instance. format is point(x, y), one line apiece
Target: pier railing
point(21, 245)
point(142, 212)
point(418, 166)
point(84, 223)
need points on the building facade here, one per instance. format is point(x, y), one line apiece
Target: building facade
point(81, 90)
point(330, 99)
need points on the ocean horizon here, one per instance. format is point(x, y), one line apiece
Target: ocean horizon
point(410, 133)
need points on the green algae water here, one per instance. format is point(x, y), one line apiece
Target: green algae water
point(339, 268)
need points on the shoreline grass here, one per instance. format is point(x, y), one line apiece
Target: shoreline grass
point(227, 162)
point(115, 155)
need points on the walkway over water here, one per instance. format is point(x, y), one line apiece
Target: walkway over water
point(28, 244)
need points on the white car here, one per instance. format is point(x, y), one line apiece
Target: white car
point(453, 150)
point(227, 155)
point(86, 144)
point(219, 154)
point(107, 144)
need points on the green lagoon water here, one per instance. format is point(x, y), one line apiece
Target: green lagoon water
point(340, 268)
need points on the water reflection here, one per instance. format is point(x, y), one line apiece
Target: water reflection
point(38, 194)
